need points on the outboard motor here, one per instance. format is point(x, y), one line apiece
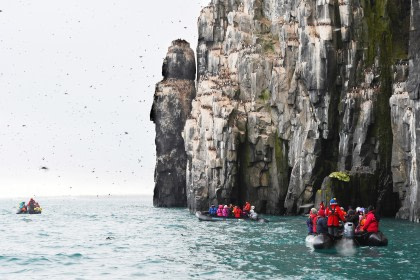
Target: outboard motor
point(348, 231)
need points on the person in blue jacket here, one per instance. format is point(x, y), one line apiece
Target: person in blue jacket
point(213, 210)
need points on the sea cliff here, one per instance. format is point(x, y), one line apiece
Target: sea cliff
point(289, 91)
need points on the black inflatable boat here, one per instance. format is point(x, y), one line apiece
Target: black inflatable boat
point(27, 213)
point(325, 241)
point(205, 216)
point(371, 239)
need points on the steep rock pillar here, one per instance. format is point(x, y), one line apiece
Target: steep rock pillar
point(171, 107)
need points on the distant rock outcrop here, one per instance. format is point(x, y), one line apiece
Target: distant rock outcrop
point(171, 107)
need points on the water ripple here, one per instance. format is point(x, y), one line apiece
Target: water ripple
point(125, 238)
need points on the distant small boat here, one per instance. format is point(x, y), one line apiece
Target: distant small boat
point(205, 216)
point(35, 211)
point(32, 208)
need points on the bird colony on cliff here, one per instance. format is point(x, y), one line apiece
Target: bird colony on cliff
point(284, 93)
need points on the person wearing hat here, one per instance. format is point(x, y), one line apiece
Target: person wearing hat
point(311, 222)
point(335, 215)
point(372, 221)
point(314, 219)
point(321, 223)
point(237, 212)
point(352, 217)
point(252, 214)
point(247, 208)
point(219, 211)
point(22, 208)
point(31, 206)
point(225, 211)
point(213, 210)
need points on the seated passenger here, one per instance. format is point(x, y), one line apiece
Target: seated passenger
point(314, 219)
point(213, 210)
point(352, 217)
point(322, 222)
point(372, 221)
point(247, 208)
point(344, 212)
point(252, 214)
point(362, 220)
point(230, 210)
point(225, 211)
point(22, 208)
point(237, 212)
point(309, 222)
point(31, 206)
point(220, 211)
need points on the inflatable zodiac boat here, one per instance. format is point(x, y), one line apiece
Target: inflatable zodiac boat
point(325, 241)
point(205, 216)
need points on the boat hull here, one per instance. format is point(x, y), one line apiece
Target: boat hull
point(205, 217)
point(325, 241)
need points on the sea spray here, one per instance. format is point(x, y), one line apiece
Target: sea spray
point(346, 247)
point(309, 239)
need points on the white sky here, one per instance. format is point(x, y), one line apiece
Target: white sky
point(106, 55)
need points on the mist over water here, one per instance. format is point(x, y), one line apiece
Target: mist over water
point(127, 238)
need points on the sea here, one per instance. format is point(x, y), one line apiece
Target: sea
point(127, 238)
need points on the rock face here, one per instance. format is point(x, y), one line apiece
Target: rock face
point(289, 91)
point(405, 112)
point(171, 107)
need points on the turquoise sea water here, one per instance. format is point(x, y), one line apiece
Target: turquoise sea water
point(69, 241)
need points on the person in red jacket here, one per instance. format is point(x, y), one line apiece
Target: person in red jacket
point(314, 219)
point(335, 215)
point(310, 221)
point(237, 212)
point(372, 222)
point(247, 207)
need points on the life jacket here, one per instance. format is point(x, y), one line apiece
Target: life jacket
point(314, 220)
point(371, 224)
point(225, 212)
point(247, 207)
point(237, 211)
point(219, 212)
point(334, 214)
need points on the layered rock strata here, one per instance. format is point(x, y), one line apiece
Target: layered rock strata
point(405, 112)
point(171, 107)
point(289, 91)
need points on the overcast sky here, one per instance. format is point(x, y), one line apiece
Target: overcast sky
point(76, 87)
